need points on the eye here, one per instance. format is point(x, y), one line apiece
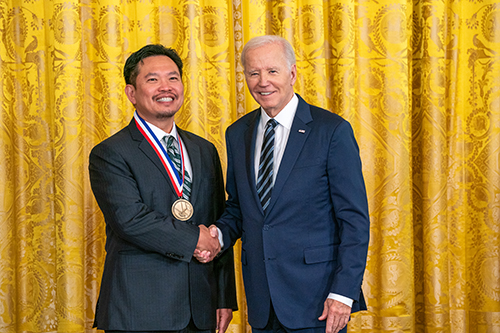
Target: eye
point(151, 79)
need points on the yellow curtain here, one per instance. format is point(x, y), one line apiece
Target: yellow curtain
point(419, 81)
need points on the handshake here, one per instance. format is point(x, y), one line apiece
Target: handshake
point(208, 245)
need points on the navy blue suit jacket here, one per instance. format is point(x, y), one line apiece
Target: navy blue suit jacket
point(151, 281)
point(313, 240)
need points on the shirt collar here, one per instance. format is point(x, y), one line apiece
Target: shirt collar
point(159, 133)
point(285, 116)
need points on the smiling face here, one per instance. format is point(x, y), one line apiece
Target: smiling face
point(158, 93)
point(270, 78)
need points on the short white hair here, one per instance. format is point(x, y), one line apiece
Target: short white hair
point(259, 41)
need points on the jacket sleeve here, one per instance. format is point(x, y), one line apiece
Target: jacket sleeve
point(224, 263)
point(125, 191)
point(348, 195)
point(230, 222)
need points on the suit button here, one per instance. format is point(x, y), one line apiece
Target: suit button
point(266, 227)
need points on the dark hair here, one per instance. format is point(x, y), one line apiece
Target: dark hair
point(131, 68)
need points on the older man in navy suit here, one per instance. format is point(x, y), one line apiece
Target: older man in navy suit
point(158, 187)
point(297, 200)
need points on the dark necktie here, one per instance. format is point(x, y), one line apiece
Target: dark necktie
point(174, 155)
point(266, 168)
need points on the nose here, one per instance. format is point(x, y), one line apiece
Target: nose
point(165, 85)
point(263, 79)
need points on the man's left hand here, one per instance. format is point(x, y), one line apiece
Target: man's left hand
point(336, 314)
point(224, 317)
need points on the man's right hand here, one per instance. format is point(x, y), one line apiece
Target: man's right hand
point(208, 244)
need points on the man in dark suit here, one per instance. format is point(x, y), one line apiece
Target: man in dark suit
point(158, 186)
point(300, 207)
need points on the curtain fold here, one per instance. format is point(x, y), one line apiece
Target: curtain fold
point(419, 82)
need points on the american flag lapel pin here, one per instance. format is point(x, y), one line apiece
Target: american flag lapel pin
point(302, 131)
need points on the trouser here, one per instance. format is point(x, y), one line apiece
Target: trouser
point(191, 328)
point(275, 326)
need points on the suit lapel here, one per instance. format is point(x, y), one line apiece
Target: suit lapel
point(194, 153)
point(150, 153)
point(298, 136)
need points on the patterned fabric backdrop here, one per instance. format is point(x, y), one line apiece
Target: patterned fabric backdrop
point(419, 81)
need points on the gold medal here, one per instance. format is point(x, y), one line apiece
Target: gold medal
point(182, 209)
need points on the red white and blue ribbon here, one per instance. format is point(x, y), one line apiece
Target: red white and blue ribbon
point(158, 147)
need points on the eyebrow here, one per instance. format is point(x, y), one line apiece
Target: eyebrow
point(173, 73)
point(264, 69)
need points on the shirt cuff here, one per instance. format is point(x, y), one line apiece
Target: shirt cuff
point(221, 241)
point(342, 299)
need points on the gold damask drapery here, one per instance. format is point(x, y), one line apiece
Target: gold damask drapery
point(419, 81)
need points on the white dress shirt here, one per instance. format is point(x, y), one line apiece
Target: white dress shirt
point(281, 133)
point(159, 133)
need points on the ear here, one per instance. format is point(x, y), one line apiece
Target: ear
point(130, 92)
point(293, 74)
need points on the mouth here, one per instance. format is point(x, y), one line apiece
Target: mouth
point(265, 93)
point(164, 99)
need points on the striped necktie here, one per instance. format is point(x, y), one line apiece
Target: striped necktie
point(266, 168)
point(173, 153)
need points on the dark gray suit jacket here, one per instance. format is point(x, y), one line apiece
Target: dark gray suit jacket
point(151, 280)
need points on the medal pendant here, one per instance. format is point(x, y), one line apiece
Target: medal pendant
point(182, 209)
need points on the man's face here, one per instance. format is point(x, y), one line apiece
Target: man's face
point(158, 91)
point(269, 77)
